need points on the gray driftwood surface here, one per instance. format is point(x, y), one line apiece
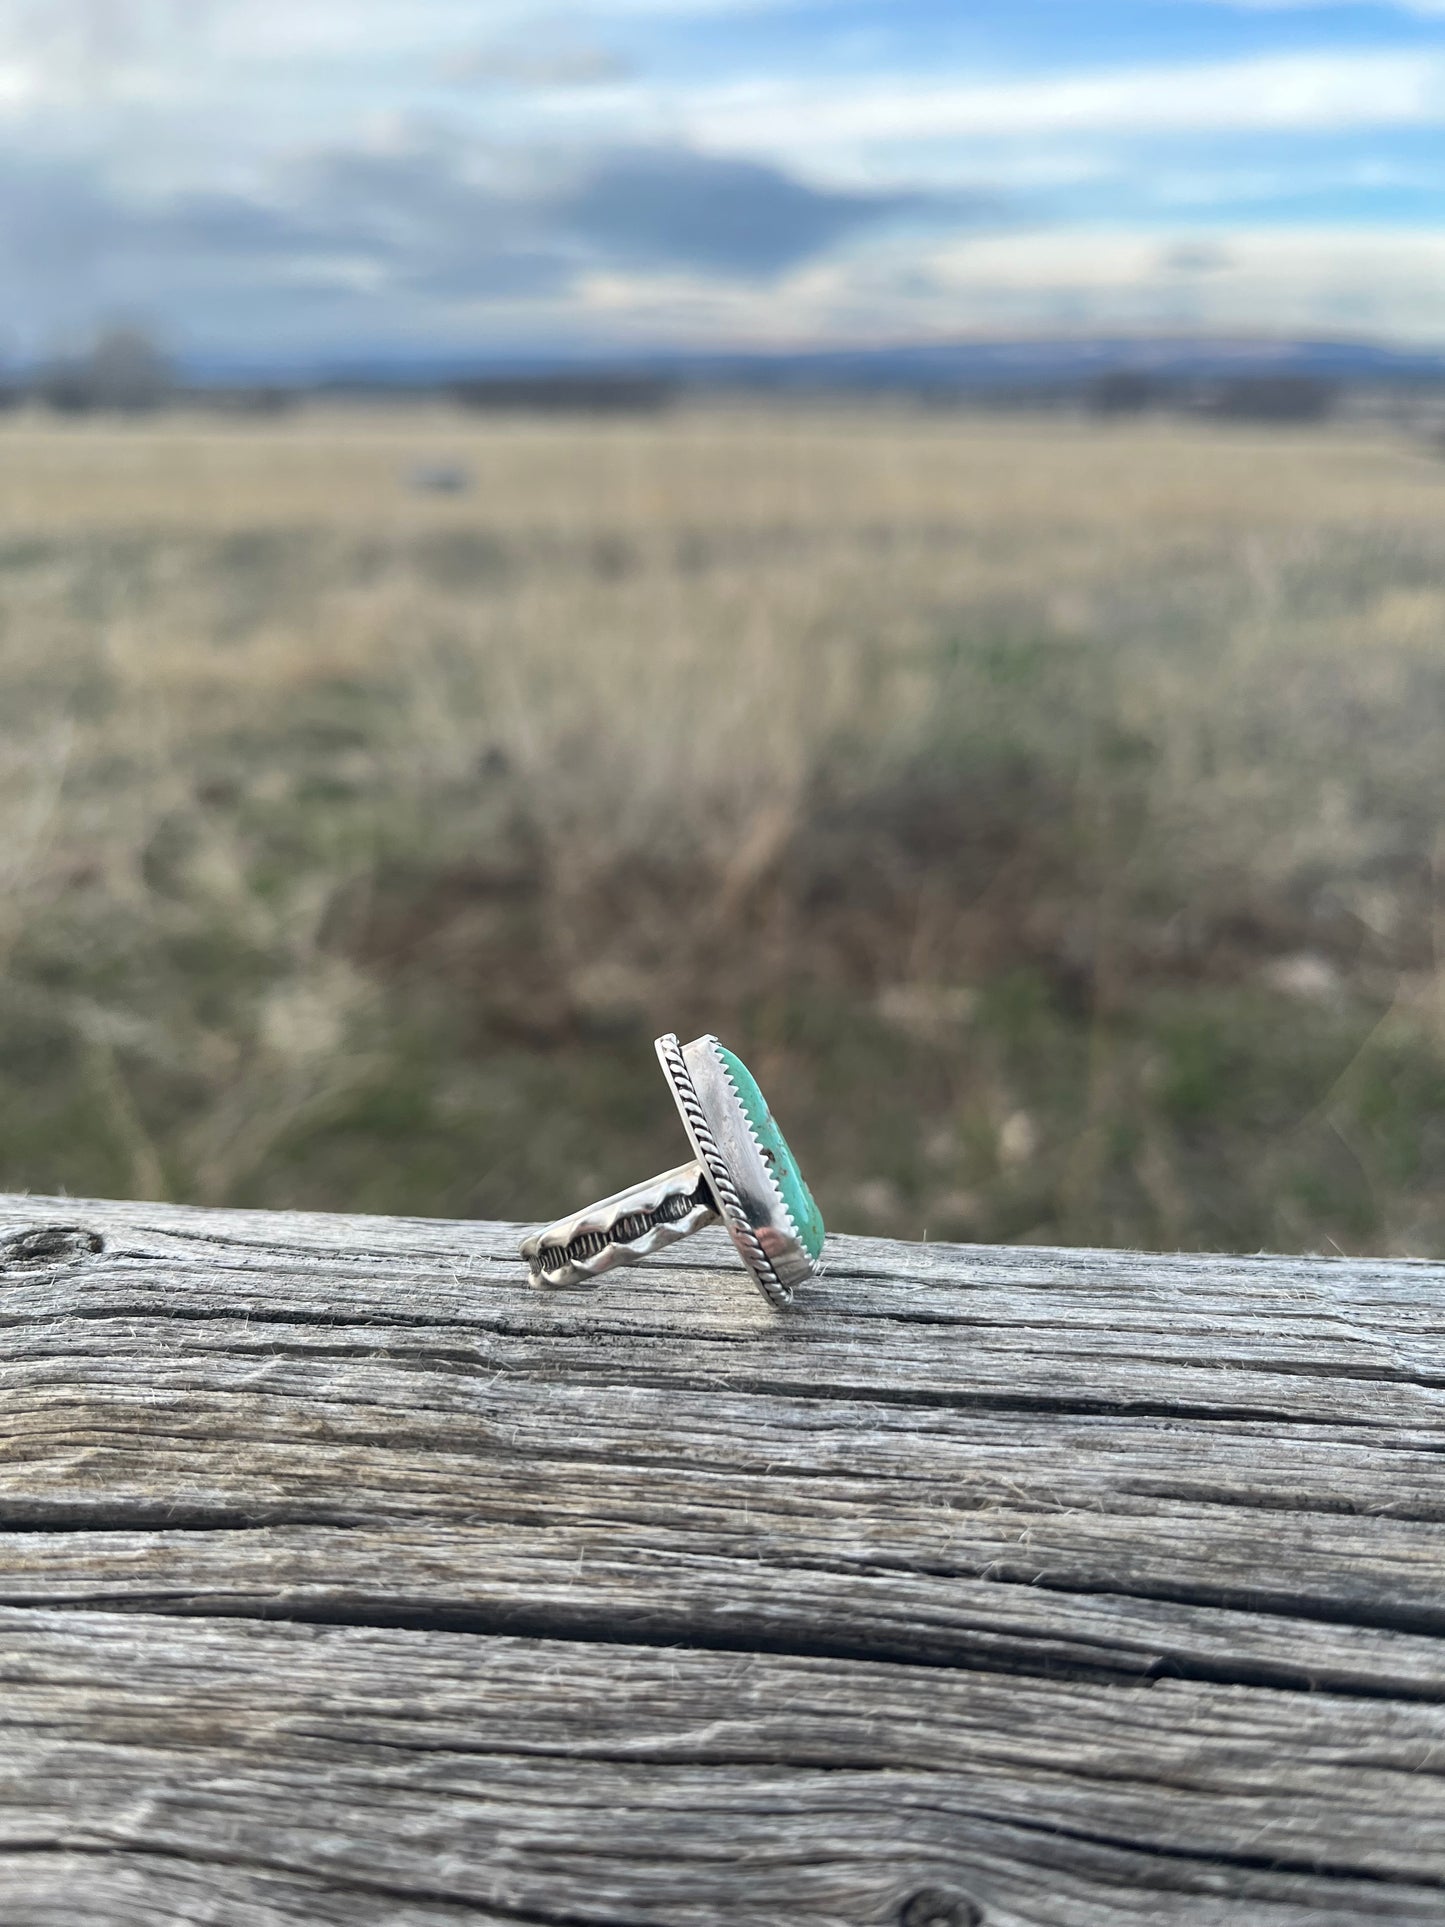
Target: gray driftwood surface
point(346, 1579)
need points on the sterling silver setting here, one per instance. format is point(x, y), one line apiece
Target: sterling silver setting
point(729, 1180)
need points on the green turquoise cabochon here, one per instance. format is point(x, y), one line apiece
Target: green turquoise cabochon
point(802, 1208)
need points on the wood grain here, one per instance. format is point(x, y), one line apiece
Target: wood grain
point(345, 1578)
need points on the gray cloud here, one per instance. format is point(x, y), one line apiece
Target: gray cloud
point(718, 215)
point(560, 63)
point(430, 213)
point(427, 222)
point(1196, 257)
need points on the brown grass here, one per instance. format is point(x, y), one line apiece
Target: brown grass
point(1050, 811)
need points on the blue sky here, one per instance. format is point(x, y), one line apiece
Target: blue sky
point(293, 179)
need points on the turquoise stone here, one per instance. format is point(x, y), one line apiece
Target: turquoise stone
point(784, 1166)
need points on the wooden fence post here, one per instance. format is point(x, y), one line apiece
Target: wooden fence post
point(344, 1578)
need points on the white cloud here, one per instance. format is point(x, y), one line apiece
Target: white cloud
point(1427, 9)
point(1280, 93)
point(177, 111)
point(247, 77)
point(1216, 184)
point(1345, 281)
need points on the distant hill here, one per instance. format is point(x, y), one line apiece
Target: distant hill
point(970, 366)
point(980, 366)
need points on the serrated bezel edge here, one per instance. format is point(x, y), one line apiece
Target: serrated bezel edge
point(783, 1205)
point(669, 1051)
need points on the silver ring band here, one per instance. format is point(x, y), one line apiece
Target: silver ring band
point(622, 1229)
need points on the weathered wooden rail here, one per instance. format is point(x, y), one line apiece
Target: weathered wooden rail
point(344, 1578)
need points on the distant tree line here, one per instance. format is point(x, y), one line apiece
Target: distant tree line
point(1252, 397)
point(125, 372)
point(599, 393)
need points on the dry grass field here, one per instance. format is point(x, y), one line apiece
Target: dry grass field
point(1050, 813)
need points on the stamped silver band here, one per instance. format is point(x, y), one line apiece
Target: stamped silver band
point(622, 1229)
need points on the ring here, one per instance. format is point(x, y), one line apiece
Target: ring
point(742, 1173)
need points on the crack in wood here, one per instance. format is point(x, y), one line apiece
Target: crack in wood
point(1089, 1588)
point(332, 1883)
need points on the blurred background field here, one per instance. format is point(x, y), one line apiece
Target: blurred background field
point(1048, 809)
